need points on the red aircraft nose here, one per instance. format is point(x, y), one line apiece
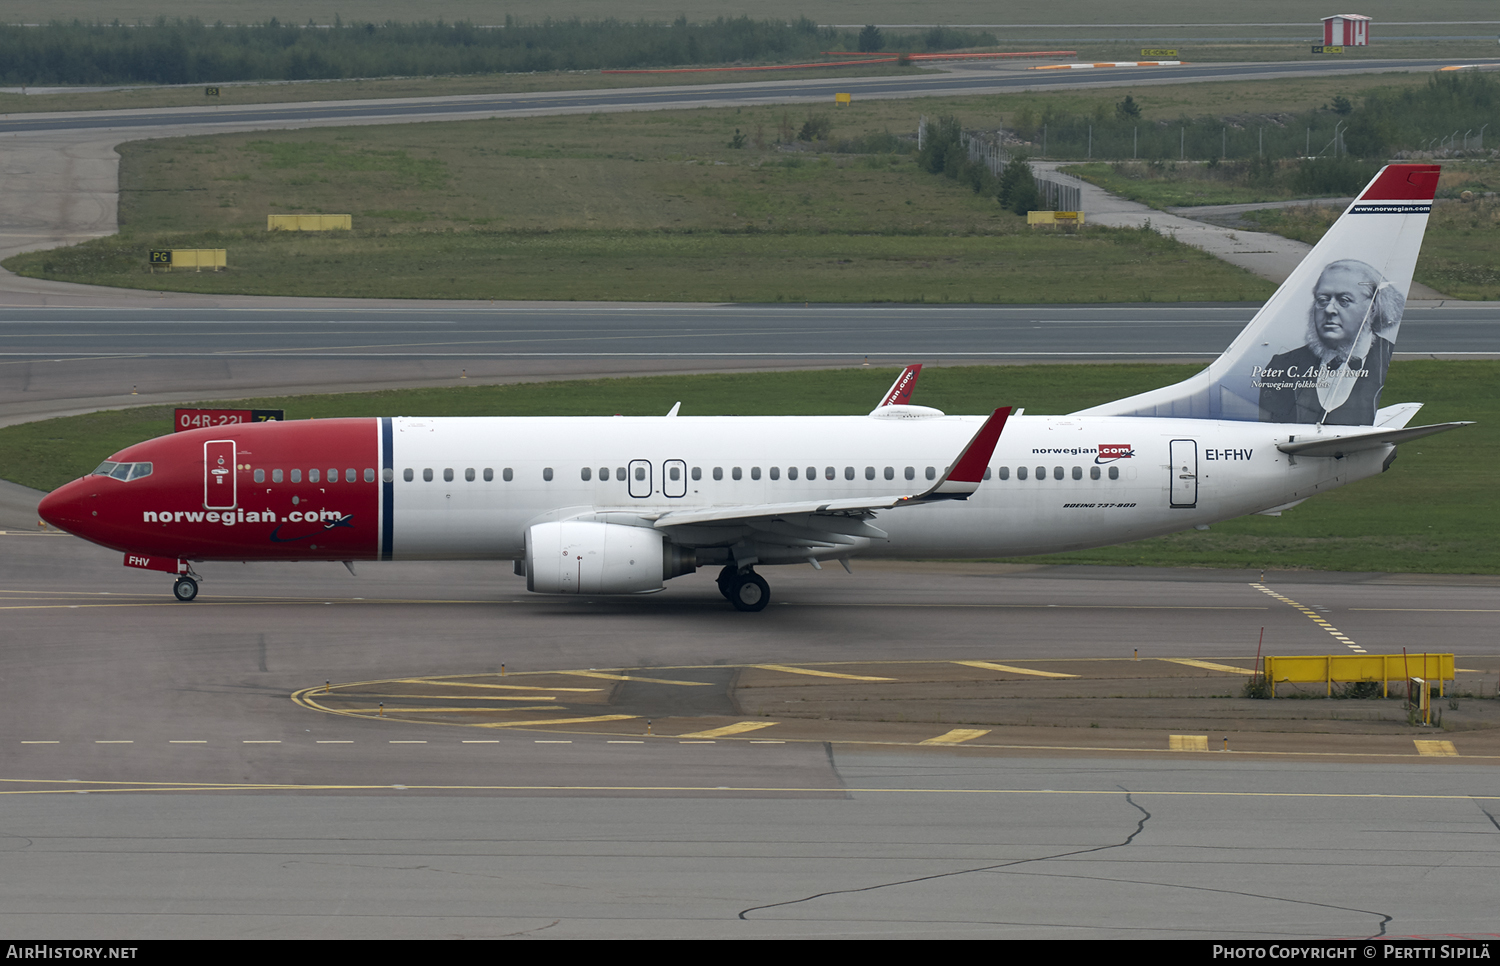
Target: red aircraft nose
point(66, 507)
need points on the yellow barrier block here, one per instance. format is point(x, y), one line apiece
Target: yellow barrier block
point(1345, 668)
point(199, 258)
point(1035, 218)
point(309, 222)
point(1187, 742)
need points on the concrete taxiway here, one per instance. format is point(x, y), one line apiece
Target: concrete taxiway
point(160, 780)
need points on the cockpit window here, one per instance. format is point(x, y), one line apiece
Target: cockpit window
point(123, 471)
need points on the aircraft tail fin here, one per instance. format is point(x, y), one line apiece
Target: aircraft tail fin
point(1318, 350)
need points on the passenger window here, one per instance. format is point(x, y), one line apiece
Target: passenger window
point(640, 473)
point(791, 472)
point(427, 476)
point(469, 475)
point(829, 472)
point(1093, 472)
point(547, 474)
point(986, 472)
point(604, 473)
point(585, 473)
point(674, 472)
point(620, 473)
point(275, 476)
point(775, 472)
point(313, 476)
point(350, 475)
point(387, 475)
point(508, 474)
point(1077, 472)
point(407, 474)
point(737, 473)
point(812, 472)
point(848, 472)
point(370, 474)
point(1114, 472)
point(911, 472)
point(296, 476)
point(1057, 472)
point(333, 474)
point(890, 472)
point(869, 472)
point(260, 476)
point(718, 472)
point(755, 472)
point(447, 475)
point(1041, 472)
point(1020, 472)
point(931, 473)
point(1005, 472)
point(489, 474)
point(697, 472)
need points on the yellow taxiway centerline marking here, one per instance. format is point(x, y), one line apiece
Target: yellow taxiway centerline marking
point(1206, 665)
point(956, 736)
point(401, 709)
point(988, 666)
point(1437, 749)
point(738, 728)
point(554, 721)
point(630, 677)
point(450, 697)
point(498, 687)
point(788, 669)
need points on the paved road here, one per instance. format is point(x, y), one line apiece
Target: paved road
point(294, 823)
point(65, 360)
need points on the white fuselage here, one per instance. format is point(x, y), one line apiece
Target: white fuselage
point(1050, 488)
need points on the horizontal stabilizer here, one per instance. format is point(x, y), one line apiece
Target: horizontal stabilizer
point(1339, 446)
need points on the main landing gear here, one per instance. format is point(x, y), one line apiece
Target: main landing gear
point(747, 591)
point(185, 589)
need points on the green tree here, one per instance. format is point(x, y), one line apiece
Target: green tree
point(870, 39)
point(1128, 109)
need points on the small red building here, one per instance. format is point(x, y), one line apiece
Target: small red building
point(1346, 30)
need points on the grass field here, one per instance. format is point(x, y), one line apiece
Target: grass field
point(1436, 511)
point(653, 205)
point(1460, 253)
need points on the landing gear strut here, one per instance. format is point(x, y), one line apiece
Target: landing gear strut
point(747, 591)
point(185, 589)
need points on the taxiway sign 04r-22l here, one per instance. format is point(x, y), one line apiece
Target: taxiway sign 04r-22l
point(619, 505)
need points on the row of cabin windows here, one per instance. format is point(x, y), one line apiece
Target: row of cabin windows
point(1058, 473)
point(351, 475)
point(736, 473)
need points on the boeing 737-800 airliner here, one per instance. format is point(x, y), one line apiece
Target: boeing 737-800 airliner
point(618, 505)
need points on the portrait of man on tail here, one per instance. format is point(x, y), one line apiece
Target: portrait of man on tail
point(1337, 376)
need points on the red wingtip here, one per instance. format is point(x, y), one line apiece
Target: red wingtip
point(1404, 182)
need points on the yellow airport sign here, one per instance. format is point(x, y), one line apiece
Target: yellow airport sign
point(309, 222)
point(195, 258)
point(1035, 218)
point(843, 98)
point(1158, 52)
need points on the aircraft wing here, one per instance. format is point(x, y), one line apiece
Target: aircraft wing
point(961, 480)
point(1340, 446)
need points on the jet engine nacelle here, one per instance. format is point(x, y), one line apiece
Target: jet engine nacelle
point(577, 557)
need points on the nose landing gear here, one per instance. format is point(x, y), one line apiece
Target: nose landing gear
point(185, 589)
point(747, 591)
